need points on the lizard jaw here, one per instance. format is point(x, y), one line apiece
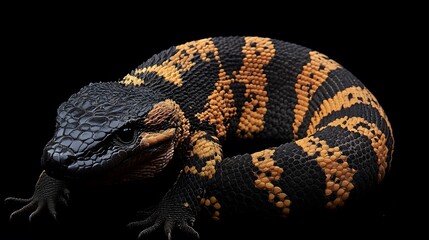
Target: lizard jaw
point(155, 151)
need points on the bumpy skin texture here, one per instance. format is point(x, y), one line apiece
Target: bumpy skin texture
point(336, 140)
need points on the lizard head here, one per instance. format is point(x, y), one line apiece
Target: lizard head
point(109, 130)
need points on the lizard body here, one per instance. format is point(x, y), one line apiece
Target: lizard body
point(335, 141)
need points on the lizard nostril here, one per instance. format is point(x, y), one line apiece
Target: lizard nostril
point(69, 160)
point(58, 157)
point(55, 161)
point(64, 157)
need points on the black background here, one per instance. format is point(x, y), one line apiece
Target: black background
point(52, 54)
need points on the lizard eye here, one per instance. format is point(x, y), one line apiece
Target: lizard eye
point(126, 135)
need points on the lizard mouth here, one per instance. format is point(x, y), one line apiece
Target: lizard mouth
point(157, 151)
point(149, 156)
point(148, 164)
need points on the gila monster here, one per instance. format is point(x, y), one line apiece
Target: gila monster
point(335, 142)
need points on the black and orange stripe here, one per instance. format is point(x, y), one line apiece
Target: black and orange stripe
point(337, 139)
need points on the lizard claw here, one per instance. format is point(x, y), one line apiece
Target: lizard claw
point(169, 221)
point(149, 230)
point(28, 206)
point(189, 230)
point(48, 195)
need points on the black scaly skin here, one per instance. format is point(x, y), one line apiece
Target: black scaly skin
point(335, 142)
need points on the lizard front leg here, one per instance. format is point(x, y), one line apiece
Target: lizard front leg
point(181, 204)
point(48, 194)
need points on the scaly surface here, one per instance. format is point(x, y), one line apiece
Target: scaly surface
point(187, 100)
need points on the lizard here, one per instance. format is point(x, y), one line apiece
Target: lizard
point(335, 142)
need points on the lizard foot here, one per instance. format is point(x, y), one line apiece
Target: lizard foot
point(49, 193)
point(171, 218)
